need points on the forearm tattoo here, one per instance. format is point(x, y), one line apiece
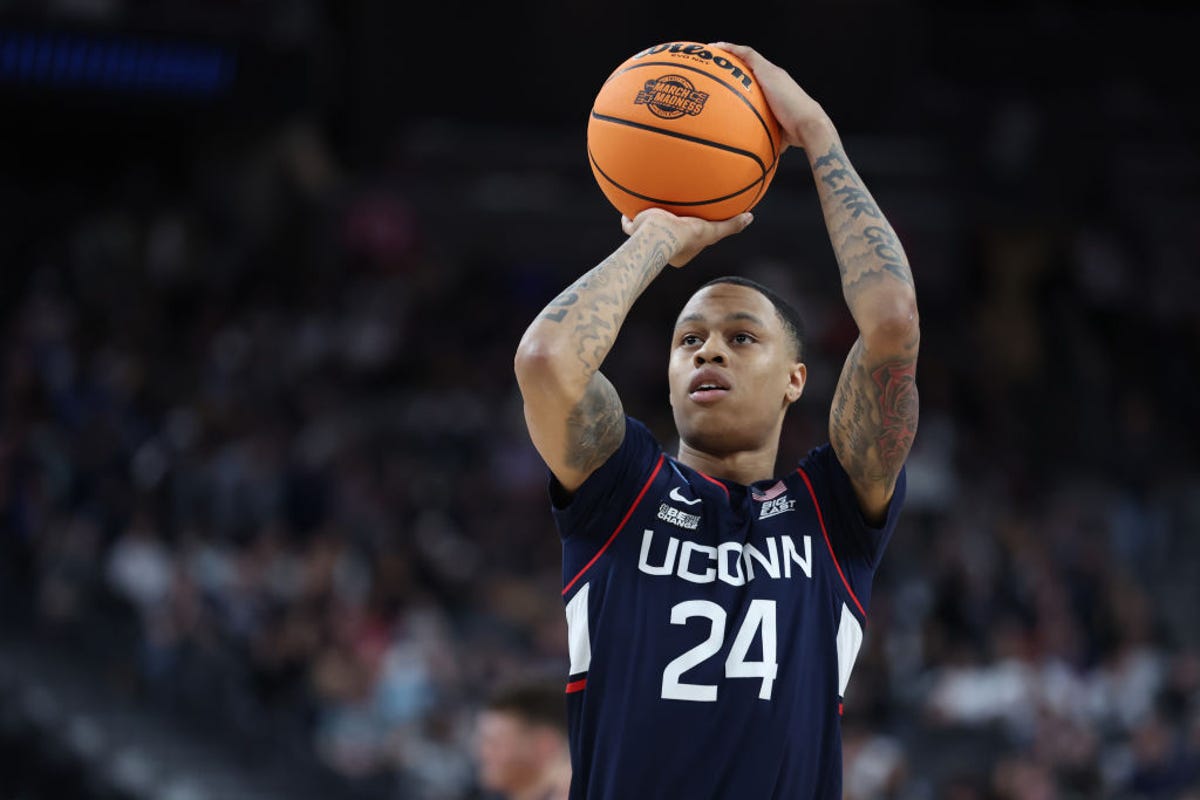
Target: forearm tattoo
point(875, 408)
point(589, 313)
point(865, 245)
point(595, 306)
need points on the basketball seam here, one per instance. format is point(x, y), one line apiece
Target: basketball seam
point(680, 203)
point(762, 186)
point(728, 86)
point(685, 136)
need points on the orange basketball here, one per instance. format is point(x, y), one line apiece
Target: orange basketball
point(684, 127)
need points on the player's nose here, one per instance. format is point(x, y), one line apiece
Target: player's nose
point(710, 353)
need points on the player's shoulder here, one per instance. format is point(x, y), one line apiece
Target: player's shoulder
point(819, 473)
point(613, 489)
point(634, 458)
point(639, 445)
point(641, 430)
point(819, 459)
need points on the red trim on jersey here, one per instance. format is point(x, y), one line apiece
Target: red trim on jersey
point(825, 533)
point(625, 519)
point(576, 686)
point(840, 710)
point(724, 488)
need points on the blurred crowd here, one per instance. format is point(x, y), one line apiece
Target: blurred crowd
point(251, 410)
point(256, 409)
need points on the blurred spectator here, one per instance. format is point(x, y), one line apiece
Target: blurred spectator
point(521, 742)
point(874, 765)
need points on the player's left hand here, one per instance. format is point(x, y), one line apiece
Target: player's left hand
point(799, 115)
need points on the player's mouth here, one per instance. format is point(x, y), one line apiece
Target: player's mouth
point(708, 385)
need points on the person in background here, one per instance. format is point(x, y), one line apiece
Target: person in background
point(521, 742)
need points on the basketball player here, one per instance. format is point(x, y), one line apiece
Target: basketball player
point(521, 742)
point(714, 608)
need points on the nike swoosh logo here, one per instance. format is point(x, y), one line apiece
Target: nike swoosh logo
point(677, 497)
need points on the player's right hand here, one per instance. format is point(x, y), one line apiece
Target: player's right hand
point(687, 236)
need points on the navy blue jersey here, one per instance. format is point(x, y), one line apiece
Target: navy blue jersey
point(712, 626)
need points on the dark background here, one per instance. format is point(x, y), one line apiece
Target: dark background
point(270, 524)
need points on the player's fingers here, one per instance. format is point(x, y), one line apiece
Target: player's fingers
point(733, 225)
point(747, 54)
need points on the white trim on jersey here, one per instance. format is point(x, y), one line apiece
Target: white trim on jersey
point(579, 642)
point(849, 640)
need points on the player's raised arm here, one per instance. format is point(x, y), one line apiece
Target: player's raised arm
point(574, 415)
point(874, 415)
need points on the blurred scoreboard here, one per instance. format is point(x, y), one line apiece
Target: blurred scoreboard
point(199, 70)
point(116, 63)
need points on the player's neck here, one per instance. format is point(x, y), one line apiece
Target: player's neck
point(744, 467)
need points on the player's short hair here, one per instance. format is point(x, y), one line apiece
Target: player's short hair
point(793, 323)
point(536, 700)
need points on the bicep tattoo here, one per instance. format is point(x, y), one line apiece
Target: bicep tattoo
point(874, 416)
point(595, 426)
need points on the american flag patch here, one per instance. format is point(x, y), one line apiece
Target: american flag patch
point(762, 497)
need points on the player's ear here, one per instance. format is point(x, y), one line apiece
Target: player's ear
point(797, 377)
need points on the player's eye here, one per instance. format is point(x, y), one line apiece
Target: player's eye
point(743, 338)
point(690, 340)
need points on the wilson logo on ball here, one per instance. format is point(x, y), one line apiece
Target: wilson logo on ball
point(700, 52)
point(671, 97)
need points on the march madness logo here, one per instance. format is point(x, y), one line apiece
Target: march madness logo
point(670, 97)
